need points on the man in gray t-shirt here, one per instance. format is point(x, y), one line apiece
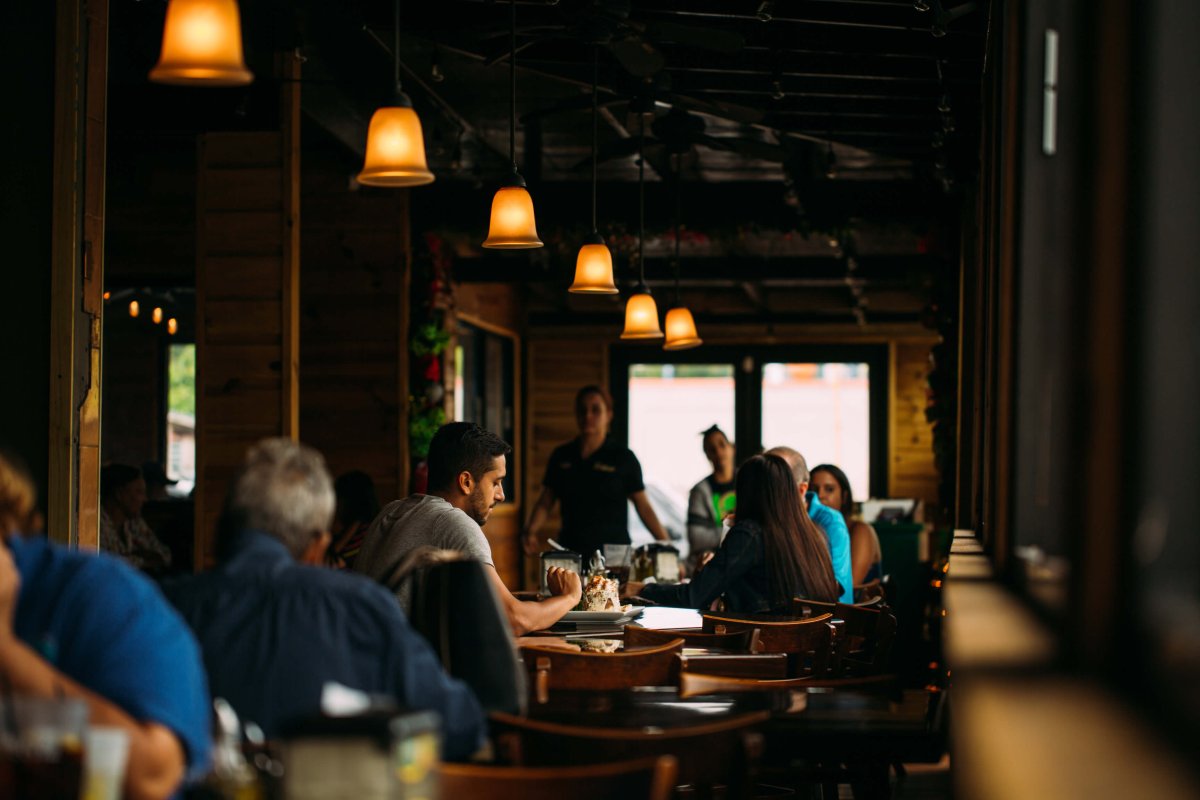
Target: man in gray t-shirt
point(466, 467)
point(419, 520)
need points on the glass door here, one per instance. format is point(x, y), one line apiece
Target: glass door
point(670, 406)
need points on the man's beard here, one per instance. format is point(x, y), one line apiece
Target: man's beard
point(480, 513)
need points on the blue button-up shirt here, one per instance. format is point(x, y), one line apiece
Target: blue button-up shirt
point(274, 632)
point(833, 524)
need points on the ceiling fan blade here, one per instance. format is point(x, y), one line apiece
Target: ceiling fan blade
point(751, 148)
point(621, 148)
point(960, 11)
point(581, 102)
point(715, 39)
point(717, 108)
point(639, 58)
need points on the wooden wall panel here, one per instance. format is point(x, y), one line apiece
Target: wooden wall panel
point(497, 304)
point(244, 275)
point(132, 413)
point(911, 470)
point(353, 338)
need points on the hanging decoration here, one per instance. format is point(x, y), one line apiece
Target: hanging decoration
point(202, 45)
point(513, 226)
point(594, 265)
point(681, 327)
point(395, 142)
point(641, 312)
point(427, 343)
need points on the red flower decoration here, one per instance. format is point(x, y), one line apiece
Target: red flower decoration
point(433, 368)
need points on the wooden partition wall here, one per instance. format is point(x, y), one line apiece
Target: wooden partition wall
point(353, 325)
point(247, 277)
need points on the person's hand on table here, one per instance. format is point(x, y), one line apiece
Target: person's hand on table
point(631, 589)
point(10, 587)
point(563, 582)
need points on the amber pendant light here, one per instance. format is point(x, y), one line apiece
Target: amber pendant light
point(202, 45)
point(594, 265)
point(681, 328)
point(641, 312)
point(513, 226)
point(395, 143)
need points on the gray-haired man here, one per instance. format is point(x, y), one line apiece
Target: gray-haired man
point(275, 630)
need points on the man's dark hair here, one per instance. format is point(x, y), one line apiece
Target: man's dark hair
point(115, 477)
point(462, 447)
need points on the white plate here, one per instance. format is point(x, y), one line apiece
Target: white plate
point(603, 616)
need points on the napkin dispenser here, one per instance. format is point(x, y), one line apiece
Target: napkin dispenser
point(375, 755)
point(659, 561)
point(559, 558)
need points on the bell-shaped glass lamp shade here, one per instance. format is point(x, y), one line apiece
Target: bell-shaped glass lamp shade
point(681, 330)
point(513, 225)
point(641, 317)
point(395, 149)
point(202, 45)
point(594, 269)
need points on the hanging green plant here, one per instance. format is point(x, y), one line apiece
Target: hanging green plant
point(423, 422)
point(429, 338)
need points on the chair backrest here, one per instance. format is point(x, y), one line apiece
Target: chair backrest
point(869, 595)
point(455, 608)
point(808, 642)
point(650, 778)
point(738, 641)
point(552, 668)
point(713, 754)
point(692, 684)
point(867, 633)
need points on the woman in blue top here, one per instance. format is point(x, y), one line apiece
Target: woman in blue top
point(833, 490)
point(773, 553)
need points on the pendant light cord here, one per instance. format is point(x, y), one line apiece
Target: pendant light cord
point(678, 215)
point(642, 199)
point(396, 46)
point(595, 114)
point(512, 75)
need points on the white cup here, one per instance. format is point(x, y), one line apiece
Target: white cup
point(105, 752)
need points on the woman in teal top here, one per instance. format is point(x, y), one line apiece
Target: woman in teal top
point(833, 490)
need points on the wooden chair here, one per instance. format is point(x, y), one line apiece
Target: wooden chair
point(563, 669)
point(808, 642)
point(710, 755)
point(737, 641)
point(869, 595)
point(650, 778)
point(693, 684)
point(867, 634)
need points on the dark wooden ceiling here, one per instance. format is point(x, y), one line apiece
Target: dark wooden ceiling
point(855, 121)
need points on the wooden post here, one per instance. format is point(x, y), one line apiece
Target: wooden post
point(77, 273)
point(289, 70)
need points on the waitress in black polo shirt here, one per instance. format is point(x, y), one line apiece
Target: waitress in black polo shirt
point(593, 477)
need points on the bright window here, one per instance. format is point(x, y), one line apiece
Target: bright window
point(670, 405)
point(824, 411)
point(181, 415)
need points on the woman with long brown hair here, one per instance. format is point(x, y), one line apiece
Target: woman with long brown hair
point(773, 553)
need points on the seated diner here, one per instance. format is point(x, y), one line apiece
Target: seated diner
point(773, 552)
point(276, 627)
